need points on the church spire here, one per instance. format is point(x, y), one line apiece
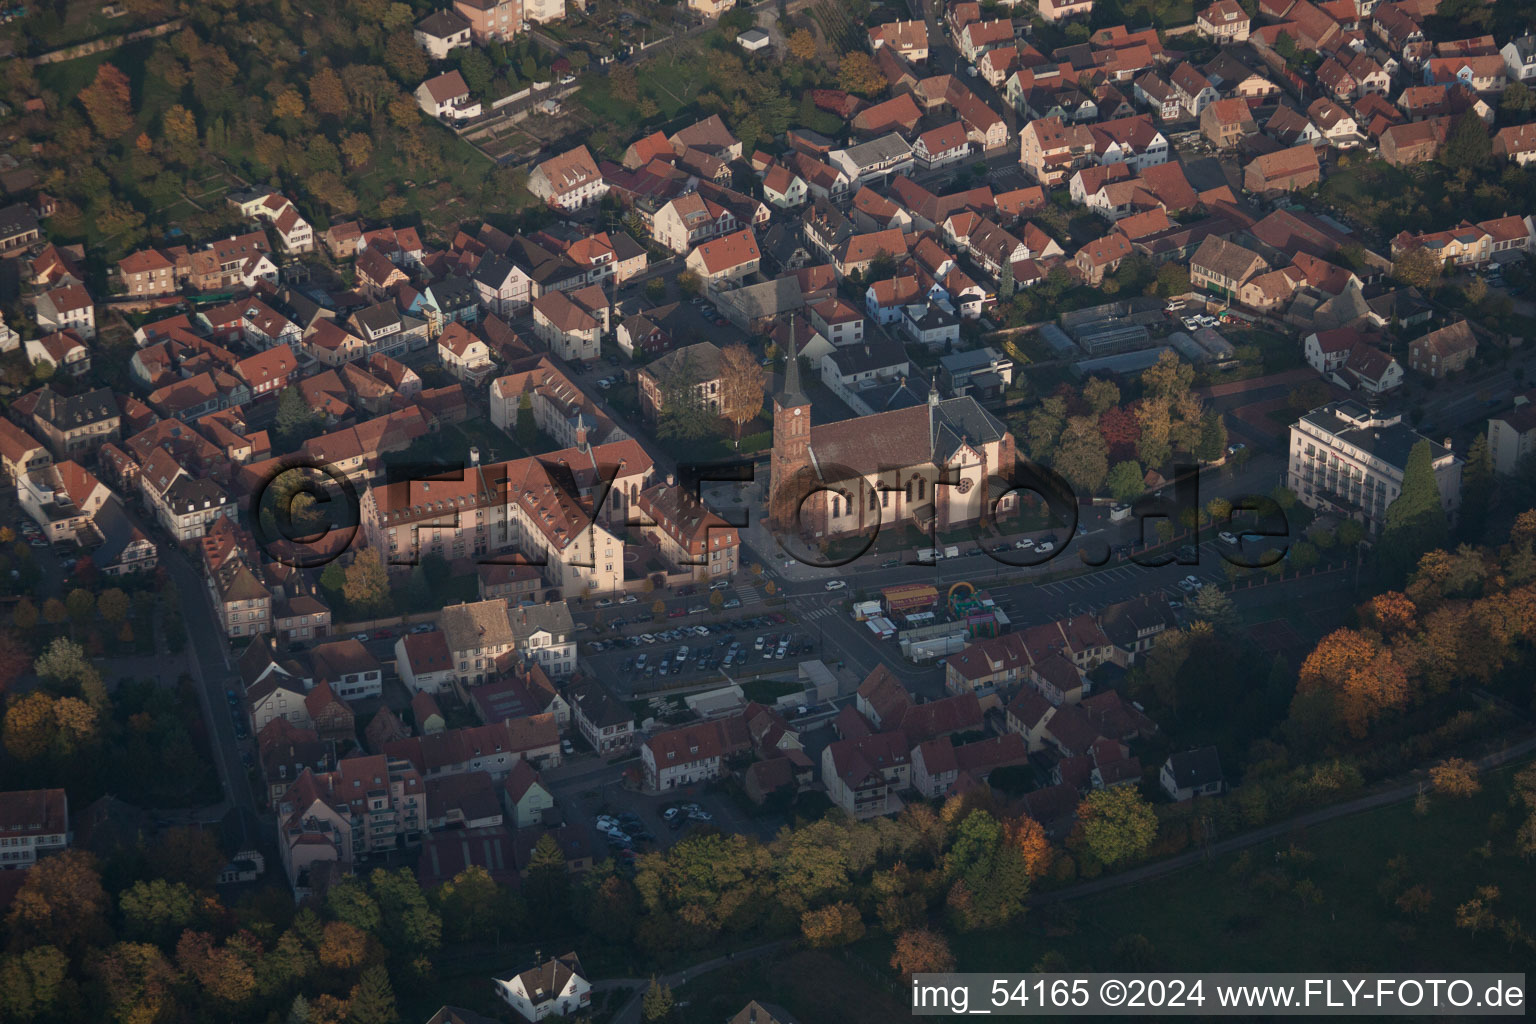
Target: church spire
point(791, 395)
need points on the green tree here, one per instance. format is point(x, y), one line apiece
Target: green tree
point(1101, 394)
point(1005, 284)
point(1213, 438)
point(1417, 267)
point(1467, 145)
point(1518, 98)
point(1082, 456)
point(1476, 490)
point(295, 422)
point(1117, 824)
point(1415, 521)
point(546, 885)
point(367, 583)
point(113, 605)
point(31, 983)
point(1211, 604)
point(156, 910)
point(408, 925)
point(1043, 427)
point(527, 429)
point(372, 1000)
point(656, 1004)
point(685, 415)
point(1125, 480)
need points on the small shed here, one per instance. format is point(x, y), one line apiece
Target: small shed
point(753, 40)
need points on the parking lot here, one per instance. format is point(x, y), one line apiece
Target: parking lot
point(584, 804)
point(670, 656)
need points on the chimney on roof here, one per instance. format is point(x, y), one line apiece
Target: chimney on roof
point(474, 455)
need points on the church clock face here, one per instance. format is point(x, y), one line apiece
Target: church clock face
point(798, 411)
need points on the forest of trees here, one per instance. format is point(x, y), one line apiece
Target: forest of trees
point(313, 98)
point(1099, 442)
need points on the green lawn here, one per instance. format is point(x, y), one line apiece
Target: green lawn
point(1244, 912)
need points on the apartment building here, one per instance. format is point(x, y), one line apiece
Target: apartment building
point(688, 534)
point(1347, 459)
point(367, 806)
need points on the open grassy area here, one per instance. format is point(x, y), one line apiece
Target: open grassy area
point(1322, 899)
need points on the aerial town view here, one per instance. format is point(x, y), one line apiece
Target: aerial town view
point(795, 512)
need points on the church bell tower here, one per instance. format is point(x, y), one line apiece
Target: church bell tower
point(791, 445)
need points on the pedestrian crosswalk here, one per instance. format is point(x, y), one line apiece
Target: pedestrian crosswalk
point(819, 613)
point(748, 596)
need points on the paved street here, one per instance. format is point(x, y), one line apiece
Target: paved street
point(208, 663)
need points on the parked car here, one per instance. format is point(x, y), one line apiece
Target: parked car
point(836, 584)
point(1227, 538)
point(732, 602)
point(603, 602)
point(567, 748)
point(425, 627)
point(1027, 544)
point(628, 599)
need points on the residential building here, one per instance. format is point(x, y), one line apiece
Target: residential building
point(874, 161)
point(545, 634)
point(699, 362)
point(1223, 267)
point(33, 824)
point(1348, 459)
point(689, 220)
point(1226, 122)
point(1223, 22)
point(1520, 59)
point(558, 987)
point(569, 181)
point(1516, 143)
point(368, 805)
point(1285, 170)
point(865, 775)
point(424, 662)
point(570, 329)
point(491, 19)
point(478, 637)
point(18, 227)
point(148, 273)
point(525, 797)
point(726, 261)
point(1192, 773)
point(687, 533)
point(447, 96)
point(1511, 437)
point(442, 32)
point(684, 756)
point(607, 724)
point(352, 672)
point(67, 308)
point(1444, 351)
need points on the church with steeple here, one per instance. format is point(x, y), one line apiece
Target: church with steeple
point(937, 466)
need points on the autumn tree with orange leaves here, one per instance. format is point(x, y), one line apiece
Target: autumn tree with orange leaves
point(920, 951)
point(1361, 676)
